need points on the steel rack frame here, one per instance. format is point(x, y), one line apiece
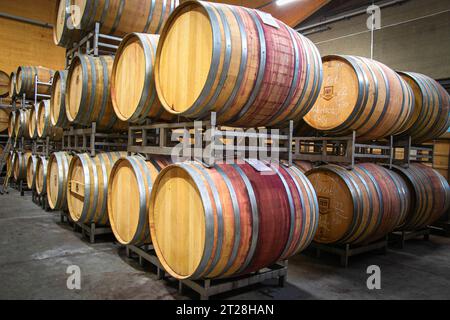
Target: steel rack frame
point(88, 231)
point(345, 251)
point(413, 152)
point(399, 238)
point(207, 139)
point(90, 141)
point(210, 287)
point(94, 43)
point(40, 200)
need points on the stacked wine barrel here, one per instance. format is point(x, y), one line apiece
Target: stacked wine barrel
point(31, 172)
point(87, 97)
point(44, 126)
point(41, 175)
point(227, 59)
point(57, 173)
point(362, 95)
point(117, 17)
point(87, 187)
point(230, 219)
point(128, 207)
point(4, 84)
point(4, 119)
point(20, 165)
point(26, 81)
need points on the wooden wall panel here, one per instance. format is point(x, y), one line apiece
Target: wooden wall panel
point(26, 44)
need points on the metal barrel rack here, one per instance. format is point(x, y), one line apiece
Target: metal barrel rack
point(40, 200)
point(90, 141)
point(210, 287)
point(345, 251)
point(399, 238)
point(94, 43)
point(207, 142)
point(88, 231)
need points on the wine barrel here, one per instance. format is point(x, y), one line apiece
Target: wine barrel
point(88, 96)
point(25, 80)
point(431, 117)
point(218, 222)
point(133, 90)
point(358, 206)
point(32, 123)
point(228, 59)
point(57, 173)
point(303, 166)
point(31, 172)
point(12, 124)
point(58, 115)
point(21, 123)
point(4, 84)
point(87, 187)
point(41, 175)
point(430, 195)
point(20, 165)
point(64, 32)
point(128, 207)
point(362, 95)
point(4, 119)
point(12, 85)
point(43, 124)
point(122, 17)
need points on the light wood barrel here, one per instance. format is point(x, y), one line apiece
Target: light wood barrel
point(87, 187)
point(31, 172)
point(58, 115)
point(128, 207)
point(25, 80)
point(41, 175)
point(43, 123)
point(133, 90)
point(430, 195)
point(431, 117)
point(4, 84)
point(32, 123)
point(4, 119)
point(21, 123)
point(88, 97)
point(358, 206)
point(12, 124)
point(64, 32)
point(230, 219)
point(20, 165)
point(362, 95)
point(12, 85)
point(216, 57)
point(57, 173)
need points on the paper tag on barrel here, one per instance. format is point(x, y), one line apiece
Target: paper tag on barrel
point(258, 165)
point(268, 19)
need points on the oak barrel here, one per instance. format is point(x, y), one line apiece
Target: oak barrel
point(25, 80)
point(21, 123)
point(358, 206)
point(133, 92)
point(431, 117)
point(31, 172)
point(128, 207)
point(32, 123)
point(12, 85)
point(430, 195)
point(4, 119)
point(57, 173)
point(88, 97)
point(41, 175)
point(87, 187)
point(362, 95)
point(43, 123)
point(12, 124)
point(4, 84)
point(64, 31)
point(228, 59)
point(58, 115)
point(20, 165)
point(229, 219)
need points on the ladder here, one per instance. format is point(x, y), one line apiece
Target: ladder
point(9, 146)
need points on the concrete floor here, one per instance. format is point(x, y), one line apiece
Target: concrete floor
point(36, 250)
